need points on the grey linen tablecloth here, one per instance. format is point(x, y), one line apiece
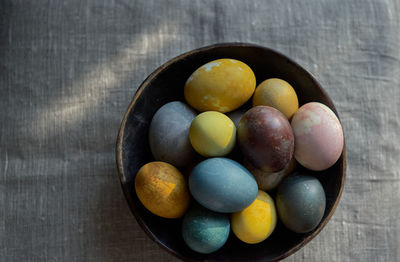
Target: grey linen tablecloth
point(68, 70)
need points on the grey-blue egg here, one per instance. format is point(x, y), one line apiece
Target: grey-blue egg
point(205, 231)
point(222, 185)
point(301, 203)
point(169, 134)
point(235, 116)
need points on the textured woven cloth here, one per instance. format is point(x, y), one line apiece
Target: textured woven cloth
point(68, 70)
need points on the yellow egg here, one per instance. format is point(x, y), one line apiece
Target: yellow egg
point(162, 189)
point(221, 85)
point(212, 134)
point(256, 222)
point(277, 93)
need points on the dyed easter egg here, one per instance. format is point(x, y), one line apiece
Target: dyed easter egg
point(300, 201)
point(267, 181)
point(205, 231)
point(212, 134)
point(162, 189)
point(236, 115)
point(222, 185)
point(318, 136)
point(266, 138)
point(220, 85)
point(256, 222)
point(169, 128)
point(278, 94)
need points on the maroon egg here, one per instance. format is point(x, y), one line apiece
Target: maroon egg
point(266, 138)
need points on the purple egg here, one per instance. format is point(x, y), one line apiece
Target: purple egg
point(266, 138)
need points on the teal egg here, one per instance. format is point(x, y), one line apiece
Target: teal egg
point(222, 185)
point(205, 231)
point(301, 203)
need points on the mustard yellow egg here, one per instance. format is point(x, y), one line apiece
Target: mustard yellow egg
point(212, 134)
point(277, 93)
point(221, 85)
point(255, 223)
point(162, 189)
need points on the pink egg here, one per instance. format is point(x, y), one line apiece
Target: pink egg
point(318, 136)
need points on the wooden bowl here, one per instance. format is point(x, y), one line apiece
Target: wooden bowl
point(165, 85)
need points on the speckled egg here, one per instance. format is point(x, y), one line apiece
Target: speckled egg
point(212, 134)
point(162, 189)
point(318, 136)
point(220, 85)
point(256, 222)
point(300, 201)
point(222, 185)
point(205, 231)
point(269, 181)
point(278, 94)
point(169, 128)
point(266, 138)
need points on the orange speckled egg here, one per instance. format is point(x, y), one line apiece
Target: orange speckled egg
point(277, 93)
point(162, 189)
point(221, 85)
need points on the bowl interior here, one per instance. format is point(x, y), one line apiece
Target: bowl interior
point(165, 85)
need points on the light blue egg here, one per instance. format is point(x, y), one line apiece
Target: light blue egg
point(205, 231)
point(169, 134)
point(222, 185)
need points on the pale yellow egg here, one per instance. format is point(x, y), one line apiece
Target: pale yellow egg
point(212, 134)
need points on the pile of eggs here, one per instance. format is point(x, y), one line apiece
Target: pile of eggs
point(217, 193)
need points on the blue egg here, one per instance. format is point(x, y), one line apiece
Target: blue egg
point(301, 203)
point(222, 185)
point(169, 134)
point(205, 231)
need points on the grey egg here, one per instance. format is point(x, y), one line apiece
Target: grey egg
point(235, 116)
point(169, 134)
point(301, 203)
